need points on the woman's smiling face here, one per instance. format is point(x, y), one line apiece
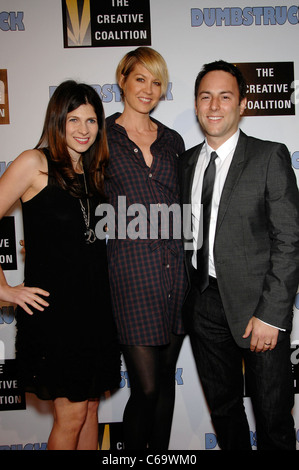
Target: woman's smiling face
point(142, 91)
point(81, 130)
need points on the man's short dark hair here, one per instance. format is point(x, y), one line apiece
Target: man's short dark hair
point(225, 67)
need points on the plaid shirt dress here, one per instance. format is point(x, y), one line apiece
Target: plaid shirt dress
point(147, 274)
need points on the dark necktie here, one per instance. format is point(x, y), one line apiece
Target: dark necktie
point(206, 201)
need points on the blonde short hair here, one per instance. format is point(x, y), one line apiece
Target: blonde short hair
point(150, 59)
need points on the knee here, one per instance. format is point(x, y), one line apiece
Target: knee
point(77, 419)
point(71, 418)
point(149, 393)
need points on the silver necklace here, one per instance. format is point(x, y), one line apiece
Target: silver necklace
point(90, 236)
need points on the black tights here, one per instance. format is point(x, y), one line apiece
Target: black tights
point(148, 413)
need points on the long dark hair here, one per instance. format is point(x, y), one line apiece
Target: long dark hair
point(67, 97)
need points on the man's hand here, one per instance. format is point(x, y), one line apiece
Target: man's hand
point(263, 336)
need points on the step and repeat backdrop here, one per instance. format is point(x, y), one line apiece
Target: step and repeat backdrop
point(43, 43)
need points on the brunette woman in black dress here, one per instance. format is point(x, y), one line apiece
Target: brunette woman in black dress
point(66, 343)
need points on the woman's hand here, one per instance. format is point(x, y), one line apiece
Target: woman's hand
point(24, 296)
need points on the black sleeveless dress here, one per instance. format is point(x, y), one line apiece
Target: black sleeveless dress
point(70, 349)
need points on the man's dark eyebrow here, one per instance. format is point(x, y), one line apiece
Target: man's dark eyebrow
point(221, 92)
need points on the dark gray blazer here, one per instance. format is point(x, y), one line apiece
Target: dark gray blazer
point(256, 248)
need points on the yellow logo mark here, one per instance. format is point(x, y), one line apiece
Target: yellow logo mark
point(77, 27)
point(106, 438)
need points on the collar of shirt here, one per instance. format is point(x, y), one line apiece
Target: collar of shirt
point(224, 150)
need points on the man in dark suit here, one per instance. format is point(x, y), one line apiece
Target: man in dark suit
point(239, 311)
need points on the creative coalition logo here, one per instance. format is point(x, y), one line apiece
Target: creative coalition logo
point(271, 89)
point(8, 255)
point(90, 23)
point(12, 397)
point(236, 16)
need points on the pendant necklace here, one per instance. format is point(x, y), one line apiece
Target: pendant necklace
point(90, 236)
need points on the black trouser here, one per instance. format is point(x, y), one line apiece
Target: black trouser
point(268, 376)
point(148, 414)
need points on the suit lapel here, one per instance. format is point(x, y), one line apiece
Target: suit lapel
point(232, 178)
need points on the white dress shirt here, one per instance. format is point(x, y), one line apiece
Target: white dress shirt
point(225, 154)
